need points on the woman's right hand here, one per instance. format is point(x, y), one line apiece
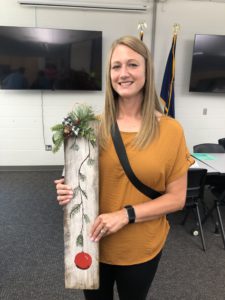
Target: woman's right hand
point(64, 192)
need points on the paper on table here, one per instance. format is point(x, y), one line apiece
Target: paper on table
point(203, 156)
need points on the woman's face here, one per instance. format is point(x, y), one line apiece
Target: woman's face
point(127, 72)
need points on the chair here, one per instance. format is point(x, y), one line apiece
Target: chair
point(222, 142)
point(217, 187)
point(208, 148)
point(194, 196)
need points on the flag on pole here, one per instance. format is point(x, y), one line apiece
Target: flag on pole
point(167, 89)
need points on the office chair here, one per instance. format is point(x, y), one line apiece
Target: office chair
point(222, 142)
point(194, 196)
point(208, 148)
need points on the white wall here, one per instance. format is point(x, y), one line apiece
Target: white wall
point(21, 134)
point(193, 17)
point(21, 131)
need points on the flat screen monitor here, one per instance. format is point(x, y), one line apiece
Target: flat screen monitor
point(50, 59)
point(208, 64)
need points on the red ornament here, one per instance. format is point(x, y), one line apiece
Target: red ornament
point(83, 260)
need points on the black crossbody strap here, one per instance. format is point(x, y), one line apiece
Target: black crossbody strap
point(122, 155)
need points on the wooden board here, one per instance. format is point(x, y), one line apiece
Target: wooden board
point(81, 255)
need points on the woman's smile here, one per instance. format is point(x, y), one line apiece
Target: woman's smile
point(125, 83)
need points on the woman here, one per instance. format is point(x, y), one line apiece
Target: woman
point(131, 241)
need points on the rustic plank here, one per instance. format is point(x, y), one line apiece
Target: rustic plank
point(81, 255)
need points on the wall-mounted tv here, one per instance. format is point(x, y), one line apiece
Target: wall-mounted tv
point(208, 64)
point(50, 59)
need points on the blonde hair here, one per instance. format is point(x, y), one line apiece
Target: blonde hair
point(150, 103)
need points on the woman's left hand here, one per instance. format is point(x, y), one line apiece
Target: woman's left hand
point(106, 224)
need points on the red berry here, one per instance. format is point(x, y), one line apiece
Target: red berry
point(83, 260)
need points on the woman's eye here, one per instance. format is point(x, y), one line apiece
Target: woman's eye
point(133, 65)
point(115, 67)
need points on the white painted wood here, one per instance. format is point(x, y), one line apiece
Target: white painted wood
point(80, 214)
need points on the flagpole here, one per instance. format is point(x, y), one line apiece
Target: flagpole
point(167, 89)
point(142, 25)
point(176, 28)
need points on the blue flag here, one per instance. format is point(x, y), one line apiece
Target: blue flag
point(167, 90)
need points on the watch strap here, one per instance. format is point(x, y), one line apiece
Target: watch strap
point(130, 213)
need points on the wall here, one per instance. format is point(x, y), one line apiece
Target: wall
point(193, 17)
point(21, 132)
point(22, 136)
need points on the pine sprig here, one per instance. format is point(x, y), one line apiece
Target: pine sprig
point(58, 127)
point(57, 139)
point(76, 124)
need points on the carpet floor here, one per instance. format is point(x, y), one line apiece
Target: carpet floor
point(31, 248)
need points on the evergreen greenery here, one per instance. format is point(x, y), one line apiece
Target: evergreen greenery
point(76, 124)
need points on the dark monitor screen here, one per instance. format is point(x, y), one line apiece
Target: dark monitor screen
point(208, 64)
point(50, 59)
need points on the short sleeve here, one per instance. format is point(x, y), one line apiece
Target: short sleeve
point(182, 160)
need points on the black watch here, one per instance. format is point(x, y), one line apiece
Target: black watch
point(130, 213)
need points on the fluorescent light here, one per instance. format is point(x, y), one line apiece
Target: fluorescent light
point(87, 5)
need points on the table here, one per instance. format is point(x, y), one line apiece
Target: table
point(213, 162)
point(215, 165)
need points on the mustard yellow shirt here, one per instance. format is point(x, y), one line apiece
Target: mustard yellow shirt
point(162, 162)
